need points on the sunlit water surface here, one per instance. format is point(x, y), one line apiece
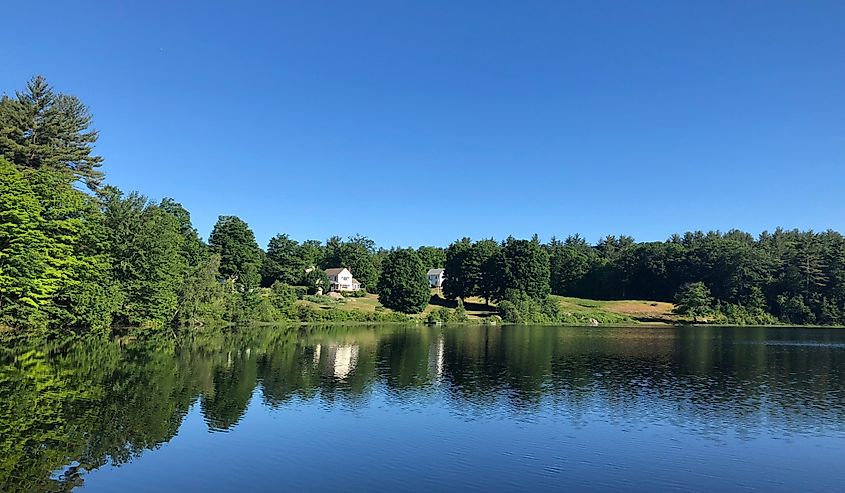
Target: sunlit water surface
point(430, 409)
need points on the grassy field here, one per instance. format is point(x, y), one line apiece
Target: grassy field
point(636, 311)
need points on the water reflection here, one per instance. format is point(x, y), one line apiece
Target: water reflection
point(92, 403)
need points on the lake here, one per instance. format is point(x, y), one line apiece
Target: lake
point(394, 408)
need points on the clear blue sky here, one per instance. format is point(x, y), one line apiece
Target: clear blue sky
point(445, 119)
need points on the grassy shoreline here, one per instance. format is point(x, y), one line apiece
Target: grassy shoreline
point(616, 312)
point(608, 313)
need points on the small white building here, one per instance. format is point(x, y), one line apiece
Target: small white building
point(340, 279)
point(436, 277)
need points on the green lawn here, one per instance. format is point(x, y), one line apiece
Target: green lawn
point(620, 311)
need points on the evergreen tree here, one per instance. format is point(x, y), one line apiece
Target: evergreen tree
point(524, 266)
point(432, 257)
point(43, 130)
point(458, 283)
point(484, 258)
point(569, 261)
point(403, 285)
point(333, 253)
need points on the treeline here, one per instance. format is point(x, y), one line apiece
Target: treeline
point(795, 277)
point(91, 257)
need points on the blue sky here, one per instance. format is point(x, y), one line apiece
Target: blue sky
point(445, 119)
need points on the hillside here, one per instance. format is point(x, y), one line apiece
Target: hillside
point(617, 311)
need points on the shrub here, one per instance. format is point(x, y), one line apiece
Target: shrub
point(300, 291)
point(283, 299)
point(311, 314)
point(446, 316)
point(732, 314)
point(519, 308)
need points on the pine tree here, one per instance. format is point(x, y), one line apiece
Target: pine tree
point(40, 129)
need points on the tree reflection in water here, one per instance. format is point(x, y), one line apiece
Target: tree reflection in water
point(96, 402)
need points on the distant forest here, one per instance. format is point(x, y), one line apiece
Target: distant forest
point(77, 255)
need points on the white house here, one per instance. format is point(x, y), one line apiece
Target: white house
point(340, 279)
point(436, 277)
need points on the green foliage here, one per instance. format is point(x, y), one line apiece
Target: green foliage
point(80, 249)
point(245, 306)
point(694, 300)
point(432, 257)
point(472, 269)
point(403, 285)
point(486, 269)
point(202, 296)
point(316, 280)
point(312, 314)
point(794, 310)
point(147, 243)
point(283, 298)
point(75, 262)
point(442, 315)
point(457, 283)
point(523, 265)
point(322, 299)
point(358, 254)
point(240, 256)
point(27, 277)
point(286, 261)
point(194, 250)
point(460, 312)
point(731, 314)
point(570, 262)
point(42, 130)
point(518, 307)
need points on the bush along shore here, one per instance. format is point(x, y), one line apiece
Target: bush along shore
point(80, 256)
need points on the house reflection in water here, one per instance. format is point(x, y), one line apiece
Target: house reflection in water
point(340, 359)
point(435, 358)
point(316, 359)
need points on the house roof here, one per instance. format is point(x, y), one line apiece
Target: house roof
point(435, 272)
point(355, 281)
point(335, 271)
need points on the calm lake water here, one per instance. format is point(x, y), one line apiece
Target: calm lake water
point(429, 409)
